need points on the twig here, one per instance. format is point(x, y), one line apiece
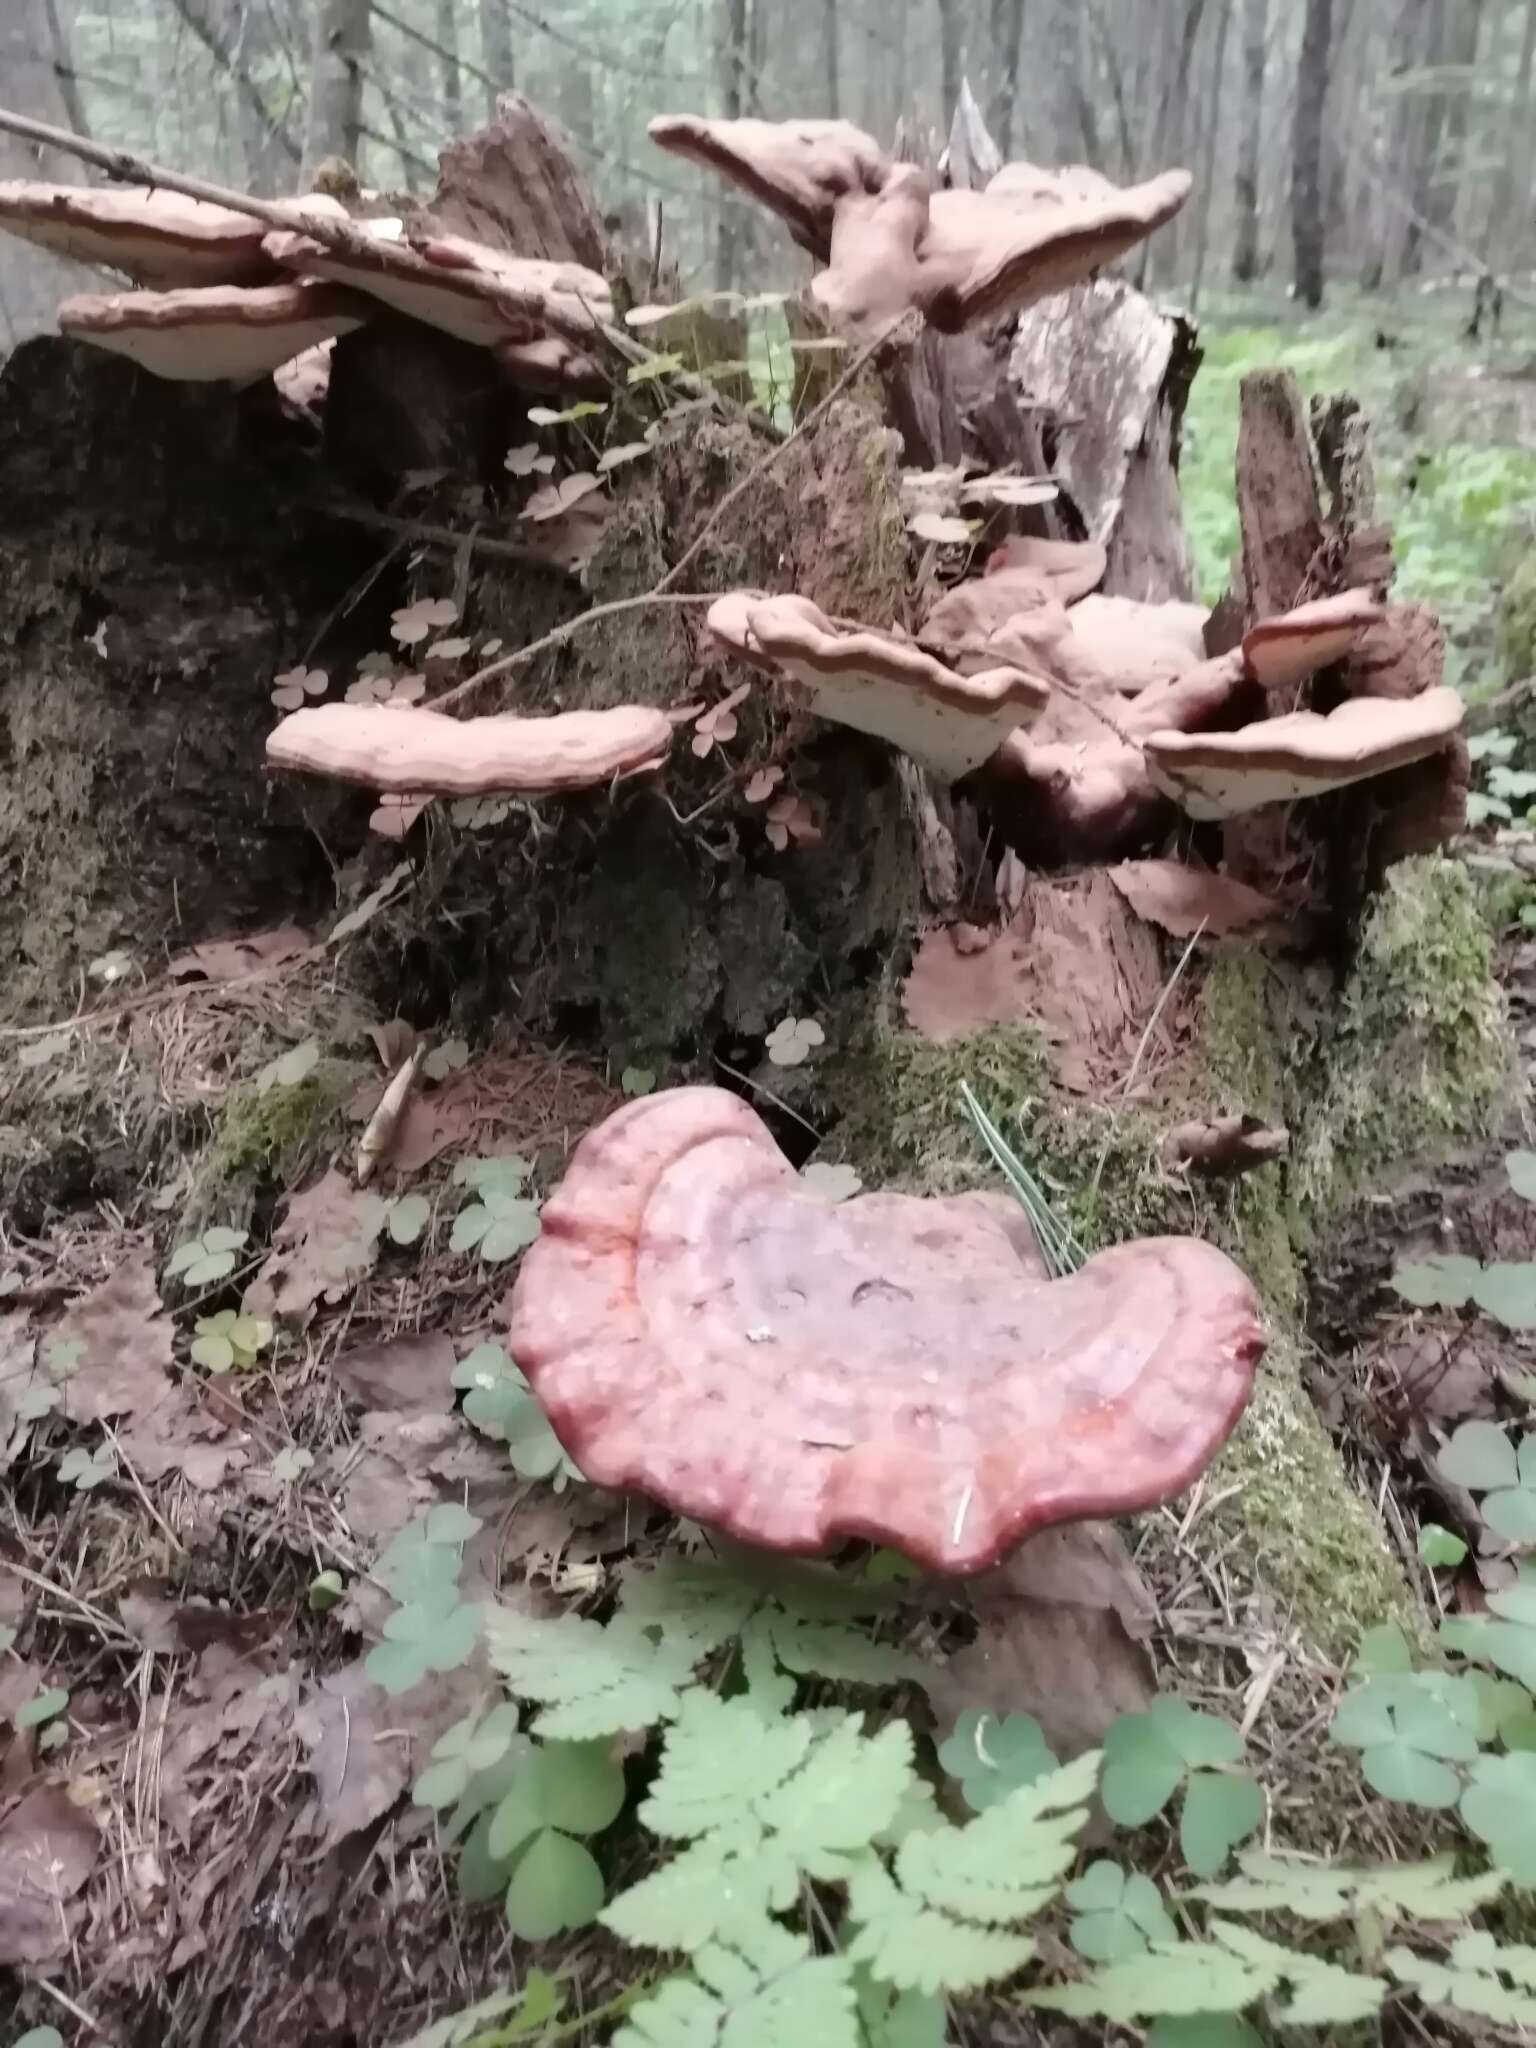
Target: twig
point(138, 1486)
point(1130, 1080)
point(92, 1614)
point(78, 2011)
point(443, 536)
point(664, 592)
point(558, 637)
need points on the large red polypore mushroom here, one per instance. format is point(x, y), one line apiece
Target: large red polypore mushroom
point(218, 333)
point(878, 683)
point(153, 236)
point(703, 1331)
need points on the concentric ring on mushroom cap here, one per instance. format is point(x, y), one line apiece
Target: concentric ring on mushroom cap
point(700, 1330)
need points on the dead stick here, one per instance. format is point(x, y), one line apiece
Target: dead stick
point(662, 592)
point(445, 536)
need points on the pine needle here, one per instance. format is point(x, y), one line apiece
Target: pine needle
point(1058, 1247)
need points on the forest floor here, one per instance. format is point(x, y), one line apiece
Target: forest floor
point(206, 1799)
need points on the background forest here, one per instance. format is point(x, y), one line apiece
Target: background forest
point(1364, 140)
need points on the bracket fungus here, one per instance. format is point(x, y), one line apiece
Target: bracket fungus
point(214, 333)
point(702, 1330)
point(1217, 775)
point(155, 237)
point(891, 243)
point(408, 750)
point(877, 683)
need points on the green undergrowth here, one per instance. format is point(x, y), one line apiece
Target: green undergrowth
point(268, 1141)
point(1403, 1061)
point(1453, 434)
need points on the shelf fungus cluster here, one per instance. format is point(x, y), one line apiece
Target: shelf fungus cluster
point(702, 1330)
point(890, 242)
point(1089, 723)
point(222, 297)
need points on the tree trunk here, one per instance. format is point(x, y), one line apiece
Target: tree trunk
point(951, 58)
point(31, 281)
point(1214, 103)
point(1245, 253)
point(453, 77)
point(343, 31)
point(1424, 159)
point(1007, 46)
point(1307, 223)
point(496, 51)
point(271, 153)
point(1511, 216)
point(61, 49)
point(733, 53)
point(1451, 171)
point(831, 58)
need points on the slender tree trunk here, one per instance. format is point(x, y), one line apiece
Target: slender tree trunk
point(343, 30)
point(951, 57)
point(1451, 179)
point(1007, 47)
point(1307, 224)
point(831, 55)
point(1160, 257)
point(31, 281)
point(496, 51)
point(263, 135)
point(1215, 100)
point(734, 48)
point(452, 76)
point(60, 44)
point(1424, 160)
point(1245, 254)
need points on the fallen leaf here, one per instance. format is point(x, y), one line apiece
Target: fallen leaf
point(226, 959)
point(412, 1375)
point(48, 1848)
point(366, 1749)
point(943, 531)
point(372, 903)
point(1179, 900)
point(124, 1361)
point(394, 1041)
point(327, 1241)
point(1060, 1635)
point(627, 451)
point(188, 1431)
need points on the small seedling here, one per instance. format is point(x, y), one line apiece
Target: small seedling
point(291, 1464)
point(86, 1470)
point(230, 1341)
point(204, 1261)
point(408, 1218)
point(326, 1590)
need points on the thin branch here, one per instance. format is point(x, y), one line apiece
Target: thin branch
point(220, 47)
point(444, 536)
point(664, 591)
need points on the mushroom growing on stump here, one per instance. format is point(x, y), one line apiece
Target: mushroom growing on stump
point(703, 1331)
point(877, 683)
point(155, 237)
point(1225, 774)
point(410, 751)
point(215, 334)
point(892, 244)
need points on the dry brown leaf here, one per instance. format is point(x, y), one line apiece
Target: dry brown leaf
point(411, 1375)
point(434, 1123)
point(1179, 900)
point(190, 1430)
point(124, 1363)
point(174, 1626)
point(327, 1241)
point(48, 1848)
point(394, 1041)
point(225, 959)
point(365, 1749)
point(1059, 1635)
point(18, 1371)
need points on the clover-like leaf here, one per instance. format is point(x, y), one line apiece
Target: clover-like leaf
point(294, 1066)
point(43, 1706)
point(203, 1261)
point(1116, 1915)
point(86, 1470)
point(1441, 1549)
point(1409, 1734)
point(1221, 1810)
point(504, 1174)
point(1444, 1280)
point(993, 1756)
point(1499, 1806)
point(407, 1218)
point(498, 1226)
point(1521, 1168)
point(292, 1463)
point(326, 1590)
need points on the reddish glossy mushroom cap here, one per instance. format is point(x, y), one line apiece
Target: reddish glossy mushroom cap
point(700, 1330)
point(1285, 650)
point(153, 236)
point(220, 333)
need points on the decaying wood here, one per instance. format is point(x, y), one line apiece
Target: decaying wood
point(1111, 375)
point(515, 185)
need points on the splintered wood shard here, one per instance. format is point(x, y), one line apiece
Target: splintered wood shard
point(703, 1331)
point(405, 750)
